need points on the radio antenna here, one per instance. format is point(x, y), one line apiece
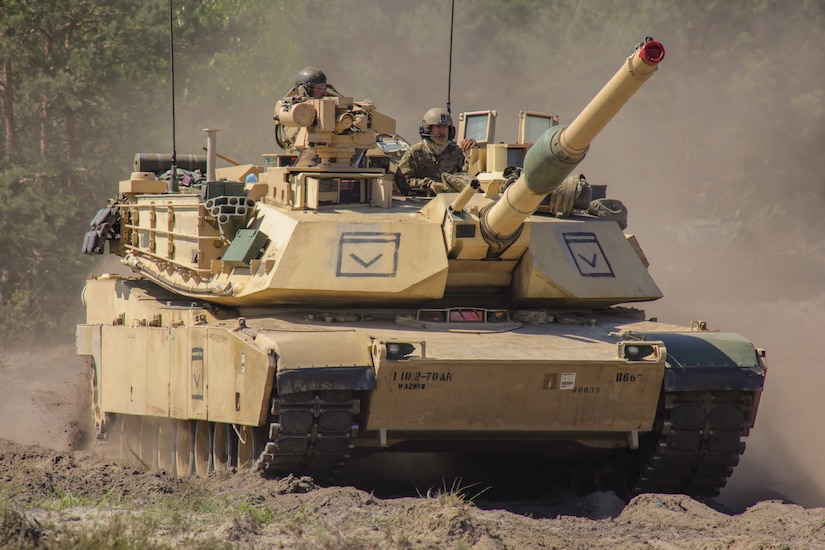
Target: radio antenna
point(450, 64)
point(174, 182)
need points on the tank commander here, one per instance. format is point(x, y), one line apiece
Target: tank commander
point(312, 83)
point(423, 167)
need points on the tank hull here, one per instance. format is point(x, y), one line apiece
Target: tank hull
point(299, 390)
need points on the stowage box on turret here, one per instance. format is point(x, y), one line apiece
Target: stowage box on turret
point(288, 315)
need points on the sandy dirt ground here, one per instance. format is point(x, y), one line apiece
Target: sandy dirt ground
point(345, 517)
point(43, 404)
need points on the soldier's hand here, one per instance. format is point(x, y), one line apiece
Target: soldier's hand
point(467, 144)
point(437, 187)
point(455, 182)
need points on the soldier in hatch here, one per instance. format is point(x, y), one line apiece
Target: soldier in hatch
point(425, 163)
point(311, 82)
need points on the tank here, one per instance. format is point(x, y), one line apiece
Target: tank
point(290, 314)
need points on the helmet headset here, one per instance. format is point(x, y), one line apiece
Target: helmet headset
point(435, 117)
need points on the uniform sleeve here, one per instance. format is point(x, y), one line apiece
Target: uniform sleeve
point(458, 160)
point(406, 177)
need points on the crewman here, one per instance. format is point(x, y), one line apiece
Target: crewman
point(423, 166)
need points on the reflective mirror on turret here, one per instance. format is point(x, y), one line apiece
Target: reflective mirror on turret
point(478, 125)
point(532, 125)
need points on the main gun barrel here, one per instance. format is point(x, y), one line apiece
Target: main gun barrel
point(559, 150)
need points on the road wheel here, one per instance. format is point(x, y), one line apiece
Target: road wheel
point(220, 447)
point(183, 448)
point(167, 435)
point(148, 431)
point(203, 448)
point(130, 438)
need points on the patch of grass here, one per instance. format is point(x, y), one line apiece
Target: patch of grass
point(300, 515)
point(456, 495)
point(120, 531)
point(186, 518)
point(18, 531)
point(60, 500)
point(197, 503)
point(258, 513)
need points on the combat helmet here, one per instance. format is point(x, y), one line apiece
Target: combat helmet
point(307, 78)
point(436, 116)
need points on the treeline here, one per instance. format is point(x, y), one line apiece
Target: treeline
point(87, 83)
point(79, 78)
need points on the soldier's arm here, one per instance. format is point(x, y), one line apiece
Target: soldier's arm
point(405, 176)
point(460, 161)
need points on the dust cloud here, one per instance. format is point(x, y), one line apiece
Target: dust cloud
point(674, 156)
point(44, 397)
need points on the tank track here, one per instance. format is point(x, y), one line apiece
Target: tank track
point(699, 442)
point(312, 434)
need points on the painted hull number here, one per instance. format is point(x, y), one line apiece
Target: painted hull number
point(416, 380)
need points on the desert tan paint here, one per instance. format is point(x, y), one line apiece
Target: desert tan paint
point(187, 371)
point(517, 396)
point(414, 255)
point(182, 373)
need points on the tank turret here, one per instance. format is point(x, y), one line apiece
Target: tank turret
point(560, 149)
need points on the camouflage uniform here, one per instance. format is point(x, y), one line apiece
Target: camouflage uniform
point(420, 166)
